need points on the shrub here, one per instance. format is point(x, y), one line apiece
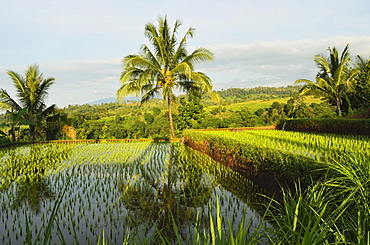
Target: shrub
point(330, 126)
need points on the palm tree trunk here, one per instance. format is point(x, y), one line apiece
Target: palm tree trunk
point(12, 130)
point(338, 107)
point(32, 132)
point(170, 116)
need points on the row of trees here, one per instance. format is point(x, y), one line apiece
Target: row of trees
point(153, 122)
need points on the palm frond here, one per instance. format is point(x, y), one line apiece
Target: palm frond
point(134, 81)
point(48, 111)
point(7, 102)
point(151, 92)
point(199, 55)
point(137, 61)
point(181, 51)
point(322, 64)
point(148, 54)
point(184, 68)
point(126, 90)
point(201, 81)
point(19, 83)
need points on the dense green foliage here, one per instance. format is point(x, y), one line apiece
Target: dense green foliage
point(130, 119)
point(190, 113)
point(235, 95)
point(133, 120)
point(359, 96)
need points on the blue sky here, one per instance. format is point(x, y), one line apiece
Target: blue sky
point(256, 43)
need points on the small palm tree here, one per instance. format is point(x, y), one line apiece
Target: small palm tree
point(32, 91)
point(334, 78)
point(362, 85)
point(165, 68)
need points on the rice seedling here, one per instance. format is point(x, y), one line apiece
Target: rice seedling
point(334, 210)
point(113, 185)
point(151, 193)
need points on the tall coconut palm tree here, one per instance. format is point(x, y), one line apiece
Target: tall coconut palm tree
point(334, 78)
point(166, 67)
point(31, 91)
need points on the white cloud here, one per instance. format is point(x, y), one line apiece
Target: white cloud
point(256, 43)
point(276, 62)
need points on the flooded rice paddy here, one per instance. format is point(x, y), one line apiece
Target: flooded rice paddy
point(138, 190)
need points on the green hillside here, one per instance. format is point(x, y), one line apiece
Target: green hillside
point(254, 105)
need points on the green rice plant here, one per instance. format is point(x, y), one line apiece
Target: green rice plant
point(93, 197)
point(279, 152)
point(318, 146)
point(254, 155)
point(223, 232)
point(310, 217)
point(350, 176)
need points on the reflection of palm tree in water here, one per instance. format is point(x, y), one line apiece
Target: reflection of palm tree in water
point(32, 193)
point(160, 202)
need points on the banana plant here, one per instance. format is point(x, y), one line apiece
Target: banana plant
point(15, 120)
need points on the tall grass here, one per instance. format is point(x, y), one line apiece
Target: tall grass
point(351, 179)
point(307, 217)
point(334, 211)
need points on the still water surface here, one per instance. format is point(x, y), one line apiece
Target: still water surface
point(123, 189)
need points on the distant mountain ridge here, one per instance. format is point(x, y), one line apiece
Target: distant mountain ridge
point(109, 100)
point(236, 94)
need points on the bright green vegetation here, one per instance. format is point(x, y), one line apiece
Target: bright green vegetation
point(150, 120)
point(133, 192)
point(333, 209)
point(168, 193)
point(320, 147)
point(286, 154)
